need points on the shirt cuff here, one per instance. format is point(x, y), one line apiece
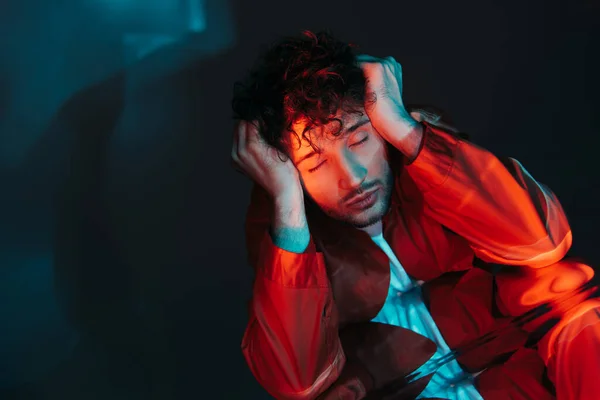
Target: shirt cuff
point(435, 158)
point(295, 270)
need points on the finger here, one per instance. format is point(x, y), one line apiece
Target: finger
point(235, 139)
point(366, 58)
point(237, 167)
point(234, 161)
point(235, 158)
point(395, 64)
point(398, 75)
point(254, 142)
point(392, 60)
point(252, 133)
point(241, 138)
point(362, 59)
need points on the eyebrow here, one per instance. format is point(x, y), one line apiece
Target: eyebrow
point(350, 129)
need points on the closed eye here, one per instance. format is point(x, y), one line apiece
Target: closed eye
point(360, 142)
point(352, 145)
point(311, 170)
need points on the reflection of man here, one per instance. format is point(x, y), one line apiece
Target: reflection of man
point(364, 230)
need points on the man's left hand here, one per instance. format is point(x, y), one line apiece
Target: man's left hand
point(384, 105)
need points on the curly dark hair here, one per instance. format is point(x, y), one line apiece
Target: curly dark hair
point(311, 76)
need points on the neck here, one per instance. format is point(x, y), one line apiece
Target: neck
point(373, 229)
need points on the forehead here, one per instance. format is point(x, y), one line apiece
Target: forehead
point(317, 134)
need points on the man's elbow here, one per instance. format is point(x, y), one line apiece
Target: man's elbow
point(551, 251)
point(290, 382)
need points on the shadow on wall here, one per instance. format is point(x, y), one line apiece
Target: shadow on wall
point(115, 159)
point(128, 147)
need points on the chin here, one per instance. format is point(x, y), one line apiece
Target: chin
point(368, 217)
point(364, 225)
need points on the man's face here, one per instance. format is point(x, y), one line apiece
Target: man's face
point(350, 179)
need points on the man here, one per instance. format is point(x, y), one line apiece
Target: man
point(381, 240)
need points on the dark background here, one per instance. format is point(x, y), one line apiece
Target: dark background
point(122, 259)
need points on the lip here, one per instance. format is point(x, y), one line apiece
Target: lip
point(362, 197)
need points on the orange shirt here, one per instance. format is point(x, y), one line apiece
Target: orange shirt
point(309, 333)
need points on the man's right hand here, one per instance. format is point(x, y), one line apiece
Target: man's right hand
point(260, 162)
point(251, 155)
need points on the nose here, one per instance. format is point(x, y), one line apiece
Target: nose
point(352, 174)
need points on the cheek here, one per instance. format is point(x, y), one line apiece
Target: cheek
point(375, 161)
point(319, 187)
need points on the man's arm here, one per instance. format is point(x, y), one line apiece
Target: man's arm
point(508, 218)
point(289, 230)
point(291, 343)
point(496, 205)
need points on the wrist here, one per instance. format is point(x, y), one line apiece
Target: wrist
point(408, 138)
point(289, 208)
point(289, 229)
point(291, 195)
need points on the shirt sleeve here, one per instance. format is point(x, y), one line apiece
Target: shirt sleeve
point(291, 342)
point(508, 218)
point(496, 205)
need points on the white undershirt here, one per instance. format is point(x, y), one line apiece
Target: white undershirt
point(404, 307)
